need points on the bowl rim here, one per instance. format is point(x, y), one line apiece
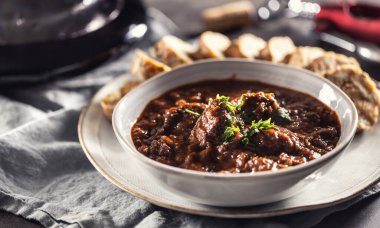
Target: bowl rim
point(234, 176)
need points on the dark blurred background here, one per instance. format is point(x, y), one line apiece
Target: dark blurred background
point(40, 39)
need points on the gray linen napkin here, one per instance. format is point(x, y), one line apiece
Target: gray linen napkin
point(45, 176)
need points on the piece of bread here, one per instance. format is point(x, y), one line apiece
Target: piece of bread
point(228, 16)
point(344, 71)
point(246, 46)
point(362, 90)
point(277, 48)
point(303, 56)
point(172, 51)
point(211, 45)
point(109, 102)
point(146, 67)
point(330, 61)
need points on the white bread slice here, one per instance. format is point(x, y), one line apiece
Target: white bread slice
point(246, 46)
point(212, 45)
point(145, 67)
point(277, 48)
point(231, 15)
point(303, 56)
point(172, 51)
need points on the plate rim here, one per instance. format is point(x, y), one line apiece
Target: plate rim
point(233, 214)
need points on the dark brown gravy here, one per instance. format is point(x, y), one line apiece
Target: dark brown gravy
point(183, 128)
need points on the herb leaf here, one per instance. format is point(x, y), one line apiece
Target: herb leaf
point(260, 125)
point(225, 101)
point(230, 107)
point(229, 132)
point(241, 102)
point(222, 99)
point(245, 141)
point(192, 113)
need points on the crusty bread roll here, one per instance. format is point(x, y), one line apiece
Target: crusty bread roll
point(361, 89)
point(109, 102)
point(228, 16)
point(277, 48)
point(172, 51)
point(344, 71)
point(146, 67)
point(330, 61)
point(246, 46)
point(303, 56)
point(212, 45)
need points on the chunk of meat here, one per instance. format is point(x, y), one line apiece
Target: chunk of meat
point(324, 137)
point(246, 46)
point(209, 126)
point(173, 51)
point(176, 118)
point(258, 106)
point(277, 48)
point(161, 147)
point(212, 45)
point(361, 89)
point(277, 140)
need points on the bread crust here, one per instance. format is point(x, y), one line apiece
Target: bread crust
point(342, 70)
point(211, 45)
point(303, 56)
point(110, 101)
point(362, 90)
point(246, 46)
point(277, 48)
point(172, 51)
point(144, 67)
point(330, 61)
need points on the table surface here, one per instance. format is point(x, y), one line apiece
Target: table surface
point(356, 216)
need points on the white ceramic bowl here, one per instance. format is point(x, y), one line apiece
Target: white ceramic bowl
point(234, 189)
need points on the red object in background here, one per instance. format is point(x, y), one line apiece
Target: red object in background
point(360, 21)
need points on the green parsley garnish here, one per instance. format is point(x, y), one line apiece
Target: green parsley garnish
point(222, 99)
point(241, 102)
point(245, 141)
point(229, 132)
point(260, 125)
point(192, 112)
point(236, 120)
point(225, 101)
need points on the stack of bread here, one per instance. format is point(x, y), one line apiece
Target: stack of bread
point(343, 71)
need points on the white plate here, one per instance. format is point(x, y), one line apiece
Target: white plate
point(358, 168)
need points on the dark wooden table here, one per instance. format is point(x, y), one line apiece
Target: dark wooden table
point(364, 214)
